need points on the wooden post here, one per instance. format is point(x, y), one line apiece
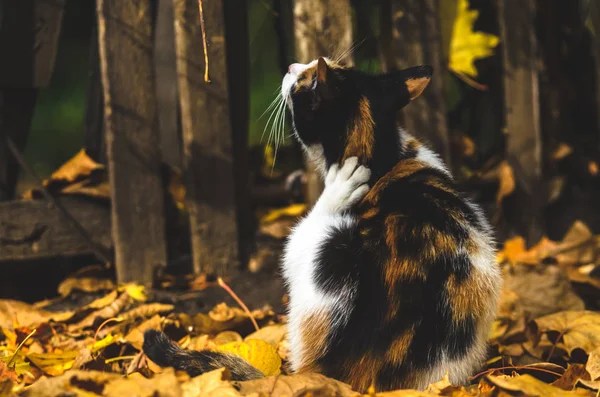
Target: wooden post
point(166, 84)
point(214, 120)
point(522, 111)
point(416, 41)
point(29, 31)
point(321, 28)
point(132, 141)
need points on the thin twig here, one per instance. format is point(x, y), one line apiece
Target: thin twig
point(20, 346)
point(513, 367)
point(238, 300)
point(204, 44)
point(469, 81)
point(100, 251)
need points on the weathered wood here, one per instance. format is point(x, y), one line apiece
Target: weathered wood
point(321, 28)
point(522, 110)
point(35, 229)
point(595, 17)
point(132, 139)
point(94, 139)
point(16, 111)
point(29, 31)
point(417, 41)
point(214, 129)
point(166, 85)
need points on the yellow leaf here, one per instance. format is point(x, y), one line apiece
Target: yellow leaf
point(258, 353)
point(579, 329)
point(136, 291)
point(527, 385)
point(53, 363)
point(466, 46)
point(293, 210)
point(104, 342)
point(210, 384)
point(17, 363)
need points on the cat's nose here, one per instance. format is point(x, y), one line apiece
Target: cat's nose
point(295, 68)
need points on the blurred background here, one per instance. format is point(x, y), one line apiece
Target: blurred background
point(513, 109)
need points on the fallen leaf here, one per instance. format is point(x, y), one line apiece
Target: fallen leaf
point(272, 334)
point(136, 291)
point(16, 363)
point(19, 314)
point(542, 290)
point(291, 385)
point(466, 46)
point(571, 377)
point(577, 329)
point(527, 385)
point(135, 337)
point(85, 284)
point(210, 384)
point(593, 365)
point(53, 363)
point(258, 353)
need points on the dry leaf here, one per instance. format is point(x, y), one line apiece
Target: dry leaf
point(593, 365)
point(578, 329)
point(279, 386)
point(272, 334)
point(7, 373)
point(211, 384)
point(529, 386)
point(85, 284)
point(135, 337)
point(571, 377)
point(53, 363)
point(258, 353)
point(19, 314)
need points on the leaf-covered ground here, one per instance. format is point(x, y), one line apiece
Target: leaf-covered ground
point(545, 342)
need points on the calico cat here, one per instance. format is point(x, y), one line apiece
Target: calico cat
point(392, 276)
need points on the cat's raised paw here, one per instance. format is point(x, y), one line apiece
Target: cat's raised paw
point(344, 186)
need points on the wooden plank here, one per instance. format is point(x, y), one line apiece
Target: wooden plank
point(34, 229)
point(522, 111)
point(132, 139)
point(166, 85)
point(29, 32)
point(321, 28)
point(417, 41)
point(213, 137)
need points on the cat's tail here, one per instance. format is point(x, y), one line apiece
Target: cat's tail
point(159, 348)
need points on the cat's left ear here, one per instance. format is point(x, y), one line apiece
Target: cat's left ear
point(416, 79)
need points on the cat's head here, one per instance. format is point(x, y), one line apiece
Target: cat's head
point(340, 112)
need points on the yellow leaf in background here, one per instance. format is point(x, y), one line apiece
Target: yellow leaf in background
point(293, 210)
point(527, 385)
point(466, 46)
point(136, 291)
point(258, 353)
point(53, 363)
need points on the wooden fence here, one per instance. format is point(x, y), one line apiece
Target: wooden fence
point(146, 69)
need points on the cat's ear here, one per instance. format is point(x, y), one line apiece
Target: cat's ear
point(416, 79)
point(322, 70)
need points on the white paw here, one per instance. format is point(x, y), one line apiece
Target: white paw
point(344, 186)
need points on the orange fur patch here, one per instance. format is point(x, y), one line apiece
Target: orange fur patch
point(398, 268)
point(361, 137)
point(361, 374)
point(471, 296)
point(315, 334)
point(399, 347)
point(402, 169)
